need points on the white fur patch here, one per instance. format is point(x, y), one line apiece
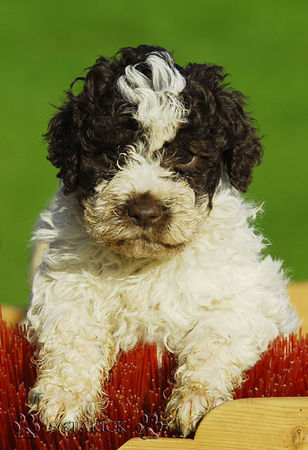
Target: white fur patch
point(159, 108)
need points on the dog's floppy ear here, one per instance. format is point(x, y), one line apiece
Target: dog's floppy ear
point(220, 124)
point(64, 145)
point(67, 130)
point(243, 150)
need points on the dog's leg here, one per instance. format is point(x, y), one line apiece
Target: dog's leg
point(74, 355)
point(71, 366)
point(210, 366)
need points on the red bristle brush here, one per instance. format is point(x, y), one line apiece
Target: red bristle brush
point(137, 390)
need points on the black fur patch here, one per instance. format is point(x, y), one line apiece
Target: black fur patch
point(90, 131)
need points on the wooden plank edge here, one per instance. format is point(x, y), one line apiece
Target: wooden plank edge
point(251, 423)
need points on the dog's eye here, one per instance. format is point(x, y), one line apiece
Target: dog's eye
point(186, 157)
point(132, 124)
point(188, 163)
point(128, 123)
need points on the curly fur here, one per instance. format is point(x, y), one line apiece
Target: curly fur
point(93, 129)
point(193, 281)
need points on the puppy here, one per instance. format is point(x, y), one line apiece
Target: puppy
point(150, 240)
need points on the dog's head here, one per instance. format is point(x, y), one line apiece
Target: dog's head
point(144, 146)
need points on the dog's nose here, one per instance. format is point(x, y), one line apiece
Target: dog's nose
point(145, 211)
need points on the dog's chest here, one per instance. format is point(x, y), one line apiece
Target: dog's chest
point(153, 304)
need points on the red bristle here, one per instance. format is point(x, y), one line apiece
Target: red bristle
point(137, 390)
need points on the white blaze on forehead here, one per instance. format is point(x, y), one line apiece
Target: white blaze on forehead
point(159, 108)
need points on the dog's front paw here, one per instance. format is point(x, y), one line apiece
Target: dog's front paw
point(186, 407)
point(61, 409)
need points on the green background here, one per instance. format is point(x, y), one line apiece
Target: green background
point(45, 44)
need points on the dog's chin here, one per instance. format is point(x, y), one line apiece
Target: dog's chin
point(142, 247)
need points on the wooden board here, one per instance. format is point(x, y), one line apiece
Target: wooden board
point(250, 424)
point(298, 293)
point(12, 314)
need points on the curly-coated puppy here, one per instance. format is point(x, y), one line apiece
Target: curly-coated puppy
point(150, 240)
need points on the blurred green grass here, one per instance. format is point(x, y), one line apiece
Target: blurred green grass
point(44, 45)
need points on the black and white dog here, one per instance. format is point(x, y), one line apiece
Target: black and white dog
point(150, 240)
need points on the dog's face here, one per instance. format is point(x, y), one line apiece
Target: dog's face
point(144, 146)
